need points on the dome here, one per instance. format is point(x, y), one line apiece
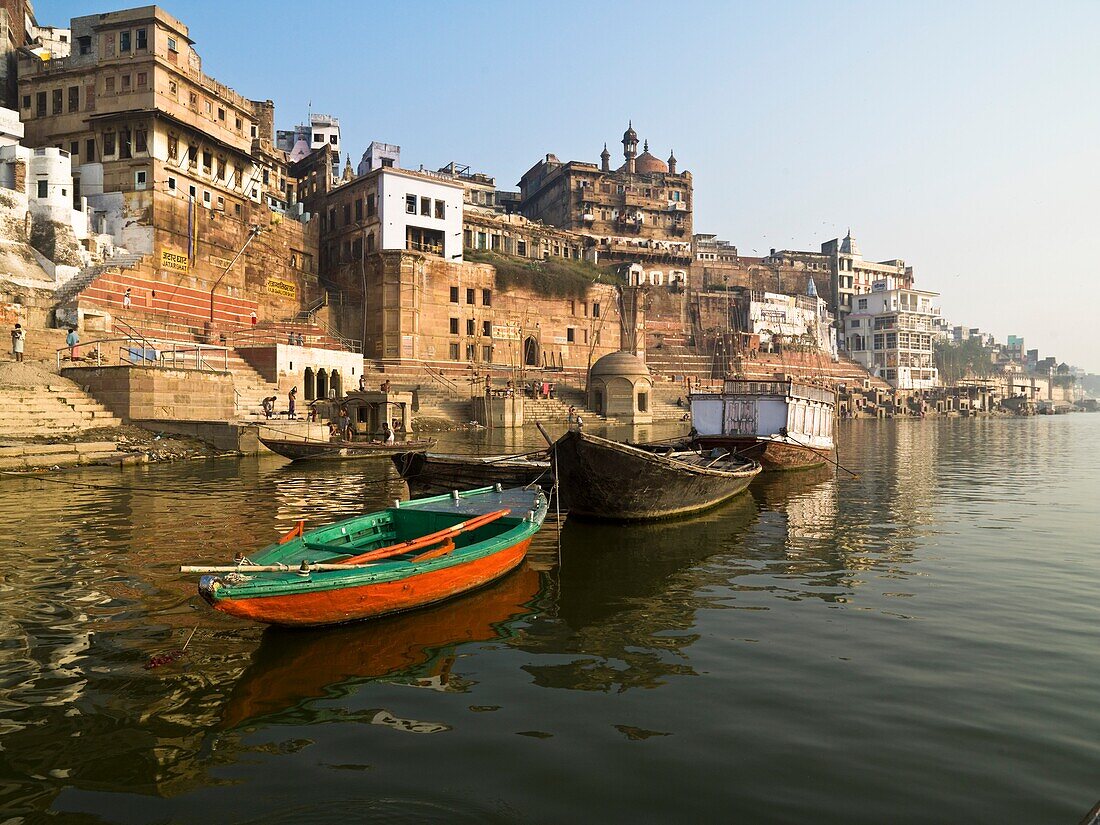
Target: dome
point(648, 164)
point(630, 136)
point(621, 363)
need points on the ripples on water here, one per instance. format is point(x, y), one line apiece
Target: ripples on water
point(915, 644)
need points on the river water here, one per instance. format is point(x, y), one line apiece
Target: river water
point(915, 645)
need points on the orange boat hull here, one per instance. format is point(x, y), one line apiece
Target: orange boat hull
point(351, 604)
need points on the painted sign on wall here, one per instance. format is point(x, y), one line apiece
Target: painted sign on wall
point(173, 260)
point(284, 289)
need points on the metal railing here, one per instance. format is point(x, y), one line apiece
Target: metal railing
point(266, 336)
point(145, 352)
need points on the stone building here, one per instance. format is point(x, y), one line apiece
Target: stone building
point(177, 167)
point(640, 212)
point(516, 236)
point(852, 275)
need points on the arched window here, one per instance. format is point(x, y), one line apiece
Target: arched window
point(322, 384)
point(335, 385)
point(311, 387)
point(370, 242)
point(531, 352)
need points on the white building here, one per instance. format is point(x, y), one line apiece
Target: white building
point(791, 318)
point(890, 332)
point(420, 212)
point(378, 155)
point(321, 131)
point(853, 275)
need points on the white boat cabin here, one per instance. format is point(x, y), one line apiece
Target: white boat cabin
point(767, 409)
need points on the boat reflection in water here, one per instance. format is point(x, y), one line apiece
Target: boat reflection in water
point(291, 668)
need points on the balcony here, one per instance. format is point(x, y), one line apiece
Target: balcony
point(676, 206)
point(588, 217)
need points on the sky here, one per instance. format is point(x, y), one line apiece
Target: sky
point(959, 137)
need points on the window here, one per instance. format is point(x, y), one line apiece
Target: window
point(173, 147)
point(347, 214)
point(140, 178)
point(221, 203)
point(358, 210)
point(482, 240)
point(26, 101)
point(426, 207)
point(74, 98)
point(142, 79)
point(171, 184)
point(206, 197)
point(452, 351)
point(371, 208)
point(207, 161)
point(58, 95)
point(43, 188)
point(880, 341)
point(467, 238)
point(454, 294)
point(74, 147)
point(333, 139)
point(494, 242)
point(521, 248)
point(862, 304)
point(192, 154)
point(486, 297)
point(855, 323)
point(209, 108)
point(173, 46)
point(192, 192)
point(595, 309)
point(643, 402)
point(221, 114)
point(332, 217)
point(318, 138)
point(89, 150)
point(239, 124)
point(108, 143)
point(440, 209)
point(141, 141)
point(142, 39)
point(470, 296)
point(193, 100)
point(84, 45)
point(487, 354)
point(370, 242)
point(487, 328)
point(410, 204)
point(570, 334)
point(124, 41)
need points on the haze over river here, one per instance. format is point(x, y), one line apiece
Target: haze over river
point(915, 645)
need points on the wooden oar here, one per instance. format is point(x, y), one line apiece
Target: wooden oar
point(428, 540)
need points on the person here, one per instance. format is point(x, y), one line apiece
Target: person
point(680, 401)
point(126, 299)
point(572, 412)
point(18, 338)
point(398, 427)
point(345, 423)
point(385, 387)
point(312, 416)
point(510, 389)
point(550, 391)
point(290, 338)
point(269, 406)
point(362, 383)
point(387, 433)
point(71, 341)
point(488, 384)
point(580, 422)
point(291, 398)
point(545, 389)
point(301, 340)
point(253, 318)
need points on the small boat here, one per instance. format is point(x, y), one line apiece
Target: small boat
point(784, 425)
point(316, 450)
point(606, 480)
point(413, 554)
point(438, 471)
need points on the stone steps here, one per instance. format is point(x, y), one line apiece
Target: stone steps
point(30, 456)
point(51, 410)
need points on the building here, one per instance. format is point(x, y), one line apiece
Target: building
point(1015, 349)
point(176, 167)
point(516, 236)
point(777, 318)
point(638, 213)
point(852, 275)
point(890, 332)
point(322, 131)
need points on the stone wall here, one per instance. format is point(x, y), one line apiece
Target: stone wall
point(157, 394)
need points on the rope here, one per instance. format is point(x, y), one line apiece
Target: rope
point(787, 436)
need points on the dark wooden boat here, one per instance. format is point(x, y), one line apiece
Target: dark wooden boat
point(413, 554)
point(783, 425)
point(606, 480)
point(315, 450)
point(438, 471)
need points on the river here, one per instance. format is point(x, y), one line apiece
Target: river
point(913, 644)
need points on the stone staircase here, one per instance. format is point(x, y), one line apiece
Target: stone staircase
point(57, 410)
point(83, 279)
point(251, 389)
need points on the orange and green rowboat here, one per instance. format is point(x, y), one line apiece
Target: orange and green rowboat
point(413, 554)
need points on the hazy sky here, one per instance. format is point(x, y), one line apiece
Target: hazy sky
point(962, 138)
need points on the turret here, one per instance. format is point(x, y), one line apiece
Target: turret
point(630, 146)
point(605, 160)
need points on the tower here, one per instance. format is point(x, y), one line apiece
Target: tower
point(630, 146)
point(671, 162)
point(605, 160)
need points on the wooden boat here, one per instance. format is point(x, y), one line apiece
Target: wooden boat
point(438, 471)
point(606, 480)
point(783, 425)
point(410, 555)
point(316, 450)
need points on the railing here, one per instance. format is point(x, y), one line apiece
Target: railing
point(349, 344)
point(145, 352)
point(265, 336)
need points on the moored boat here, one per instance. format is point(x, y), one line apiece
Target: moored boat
point(784, 425)
point(607, 480)
point(408, 556)
point(314, 449)
point(438, 471)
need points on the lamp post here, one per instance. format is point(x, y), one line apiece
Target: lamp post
point(253, 232)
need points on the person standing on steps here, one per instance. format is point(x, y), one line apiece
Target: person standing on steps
point(126, 299)
point(71, 341)
point(253, 318)
point(291, 398)
point(18, 338)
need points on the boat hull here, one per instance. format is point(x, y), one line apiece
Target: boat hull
point(773, 455)
point(375, 599)
point(435, 472)
point(334, 451)
point(606, 481)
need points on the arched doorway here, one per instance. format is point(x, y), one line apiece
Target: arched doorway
point(530, 351)
point(311, 388)
point(322, 384)
point(335, 384)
